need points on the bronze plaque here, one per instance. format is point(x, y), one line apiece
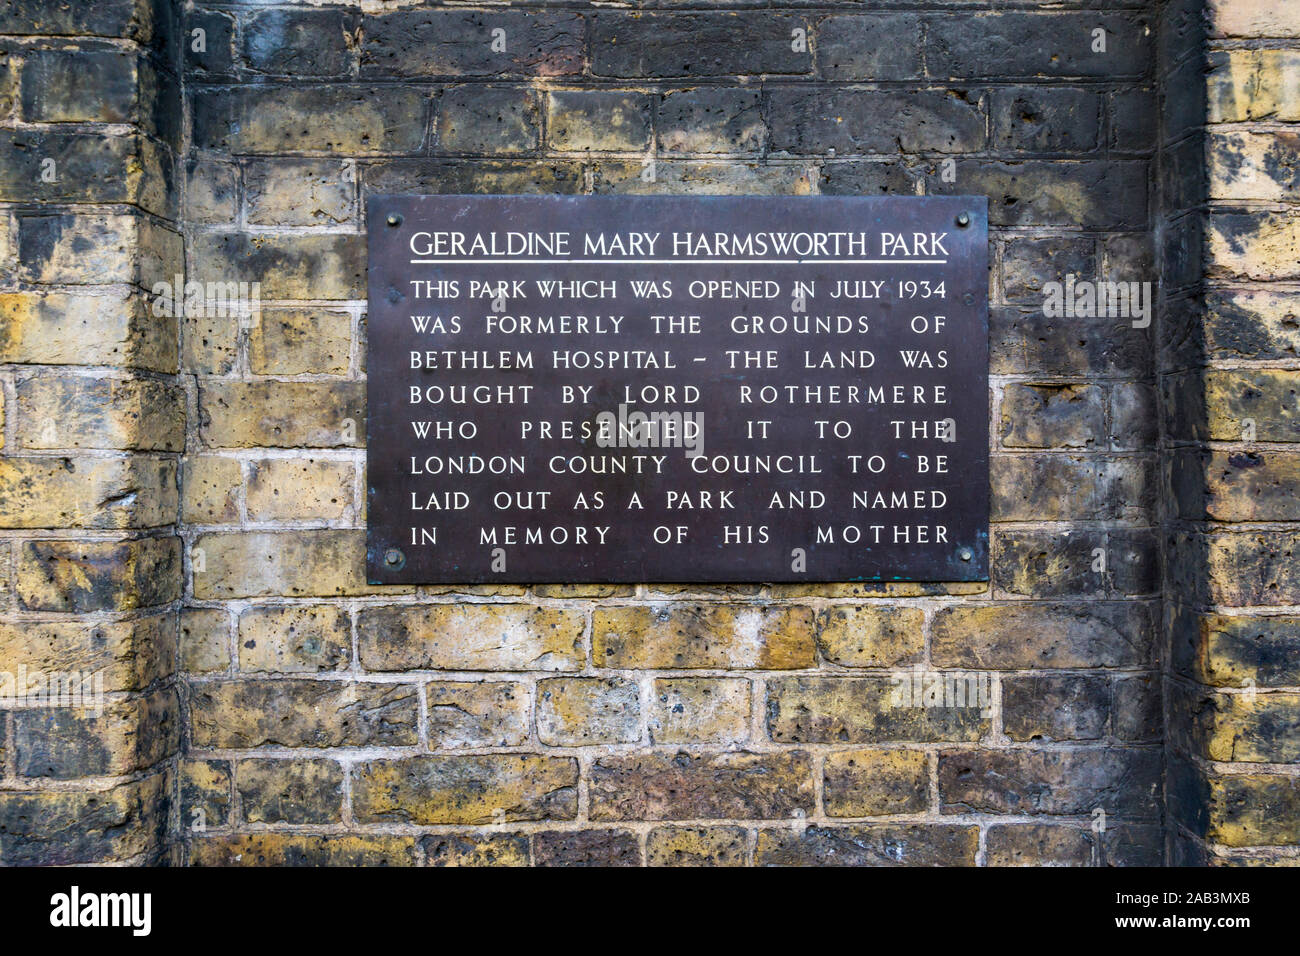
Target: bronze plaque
point(677, 389)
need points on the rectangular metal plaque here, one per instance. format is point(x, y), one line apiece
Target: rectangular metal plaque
point(677, 389)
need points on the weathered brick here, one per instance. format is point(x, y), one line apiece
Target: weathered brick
point(87, 168)
point(300, 42)
point(470, 637)
point(282, 414)
point(120, 492)
point(1233, 650)
point(1052, 416)
point(299, 489)
point(1253, 165)
point(65, 411)
point(725, 43)
point(468, 790)
point(1029, 264)
point(868, 783)
point(462, 849)
point(1082, 194)
point(1253, 18)
point(290, 791)
point(300, 341)
point(103, 327)
point(1249, 85)
point(703, 635)
point(448, 42)
point(1024, 341)
point(1048, 564)
point(1138, 708)
point(1241, 728)
point(703, 178)
point(855, 636)
point(442, 176)
point(710, 120)
point(86, 576)
point(1035, 44)
point(572, 711)
point(686, 786)
point(302, 849)
point(1134, 416)
point(211, 191)
point(302, 713)
point(1040, 844)
point(1037, 487)
point(83, 826)
point(1254, 324)
point(121, 655)
point(79, 86)
point(699, 710)
point(9, 84)
point(1017, 636)
point(204, 794)
point(109, 18)
point(1045, 119)
point(465, 714)
point(1130, 116)
point(1250, 568)
point(1050, 782)
point(210, 342)
point(64, 743)
point(884, 46)
point(1254, 245)
point(329, 118)
point(299, 192)
point(294, 639)
point(211, 489)
point(1237, 485)
point(299, 266)
point(869, 845)
point(586, 848)
point(603, 120)
point(1056, 707)
point(862, 710)
point(487, 120)
point(696, 846)
point(1254, 810)
point(874, 121)
point(1265, 397)
point(285, 564)
point(204, 640)
point(216, 54)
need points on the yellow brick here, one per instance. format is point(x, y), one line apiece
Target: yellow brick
point(211, 489)
point(299, 489)
point(700, 710)
point(703, 635)
point(298, 341)
point(295, 639)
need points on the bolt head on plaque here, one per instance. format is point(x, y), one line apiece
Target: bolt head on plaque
point(394, 219)
point(963, 220)
point(394, 559)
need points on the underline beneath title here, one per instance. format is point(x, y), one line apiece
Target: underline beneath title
point(684, 262)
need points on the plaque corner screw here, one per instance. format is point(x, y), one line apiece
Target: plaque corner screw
point(394, 559)
point(963, 220)
point(394, 219)
point(966, 554)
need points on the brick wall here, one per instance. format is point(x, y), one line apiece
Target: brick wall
point(321, 720)
point(1232, 422)
point(90, 558)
